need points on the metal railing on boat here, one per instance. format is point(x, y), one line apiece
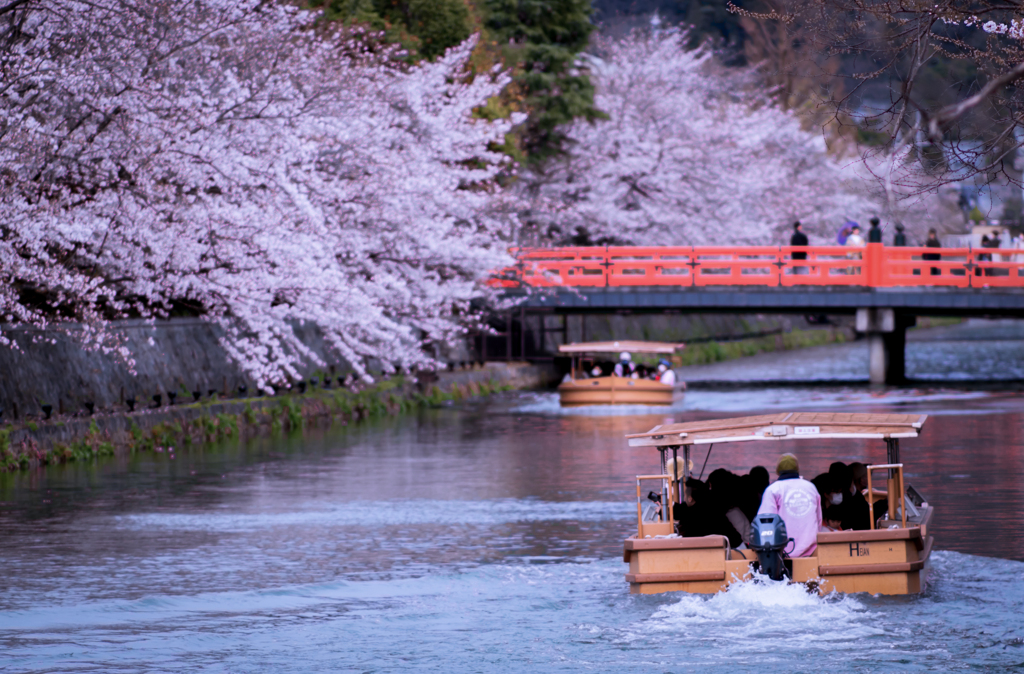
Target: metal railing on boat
point(895, 486)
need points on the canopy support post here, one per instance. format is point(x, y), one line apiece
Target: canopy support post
point(664, 492)
point(675, 473)
point(701, 476)
point(686, 468)
point(892, 451)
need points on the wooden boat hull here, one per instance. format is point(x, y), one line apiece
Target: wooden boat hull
point(616, 391)
point(882, 561)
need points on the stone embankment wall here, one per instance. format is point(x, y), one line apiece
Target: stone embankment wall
point(184, 355)
point(179, 355)
point(80, 437)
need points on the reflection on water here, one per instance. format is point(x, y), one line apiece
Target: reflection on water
point(825, 398)
point(485, 538)
point(978, 350)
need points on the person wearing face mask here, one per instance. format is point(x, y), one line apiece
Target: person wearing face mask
point(858, 514)
point(853, 507)
point(625, 367)
point(665, 373)
point(828, 491)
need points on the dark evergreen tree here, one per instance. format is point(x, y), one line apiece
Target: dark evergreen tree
point(544, 38)
point(425, 27)
point(707, 19)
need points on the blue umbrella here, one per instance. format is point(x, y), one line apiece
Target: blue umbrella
point(844, 231)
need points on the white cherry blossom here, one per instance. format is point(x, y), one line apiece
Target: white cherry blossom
point(243, 159)
point(692, 154)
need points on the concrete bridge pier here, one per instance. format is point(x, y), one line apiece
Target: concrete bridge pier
point(887, 342)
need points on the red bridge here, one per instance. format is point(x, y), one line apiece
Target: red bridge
point(874, 266)
point(886, 287)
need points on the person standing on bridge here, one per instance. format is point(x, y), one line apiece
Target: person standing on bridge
point(875, 233)
point(997, 243)
point(798, 239)
point(900, 241)
point(855, 240)
point(933, 242)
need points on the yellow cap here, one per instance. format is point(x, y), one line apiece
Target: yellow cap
point(787, 464)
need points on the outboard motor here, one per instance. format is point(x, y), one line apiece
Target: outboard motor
point(769, 540)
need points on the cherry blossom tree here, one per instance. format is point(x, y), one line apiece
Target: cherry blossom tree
point(942, 79)
point(247, 161)
point(692, 154)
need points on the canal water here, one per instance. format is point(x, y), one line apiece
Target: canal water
point(487, 537)
point(976, 351)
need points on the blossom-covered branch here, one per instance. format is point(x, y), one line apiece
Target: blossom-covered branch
point(938, 79)
point(241, 158)
point(691, 154)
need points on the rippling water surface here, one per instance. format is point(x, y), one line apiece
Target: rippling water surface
point(486, 538)
point(978, 350)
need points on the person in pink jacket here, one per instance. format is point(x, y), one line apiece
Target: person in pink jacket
point(796, 500)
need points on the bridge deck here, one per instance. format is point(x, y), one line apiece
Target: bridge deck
point(829, 279)
point(941, 302)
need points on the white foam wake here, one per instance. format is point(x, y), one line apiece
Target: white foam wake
point(752, 611)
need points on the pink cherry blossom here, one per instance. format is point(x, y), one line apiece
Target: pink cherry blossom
point(242, 158)
point(693, 154)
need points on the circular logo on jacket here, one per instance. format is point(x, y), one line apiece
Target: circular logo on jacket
point(799, 502)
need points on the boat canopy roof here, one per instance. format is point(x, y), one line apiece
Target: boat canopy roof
point(633, 346)
point(783, 426)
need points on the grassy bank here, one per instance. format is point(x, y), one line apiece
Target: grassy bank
point(704, 353)
point(63, 440)
point(715, 352)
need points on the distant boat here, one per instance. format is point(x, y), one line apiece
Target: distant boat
point(582, 388)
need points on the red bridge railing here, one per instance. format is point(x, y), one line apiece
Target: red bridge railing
point(873, 266)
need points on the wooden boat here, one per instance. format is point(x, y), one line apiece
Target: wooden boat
point(580, 389)
point(890, 558)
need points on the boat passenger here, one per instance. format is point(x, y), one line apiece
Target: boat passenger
point(753, 485)
point(625, 367)
point(857, 514)
point(665, 373)
point(700, 515)
point(853, 510)
point(860, 475)
point(841, 475)
point(796, 500)
point(726, 492)
point(831, 520)
point(718, 475)
point(828, 490)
